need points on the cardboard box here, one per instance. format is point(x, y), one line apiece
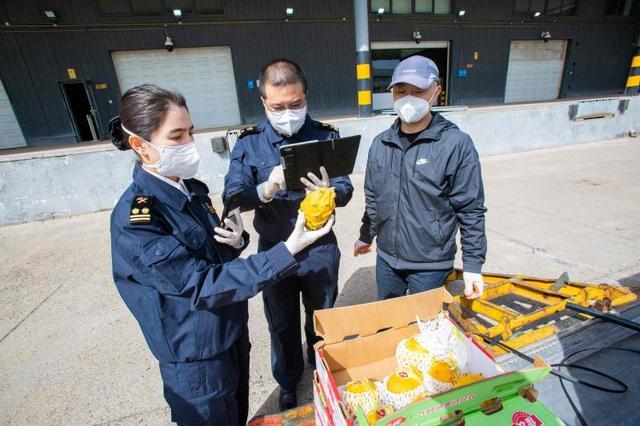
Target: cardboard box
point(515, 411)
point(360, 342)
point(322, 413)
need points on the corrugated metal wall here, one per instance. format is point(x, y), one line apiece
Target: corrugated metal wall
point(36, 56)
point(595, 43)
point(34, 60)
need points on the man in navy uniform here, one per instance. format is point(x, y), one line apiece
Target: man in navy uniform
point(256, 171)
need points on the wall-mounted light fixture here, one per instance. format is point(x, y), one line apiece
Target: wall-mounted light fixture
point(168, 41)
point(461, 13)
point(379, 14)
point(51, 16)
point(177, 14)
point(546, 36)
point(537, 14)
point(288, 14)
point(417, 37)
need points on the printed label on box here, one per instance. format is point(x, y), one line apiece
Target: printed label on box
point(520, 418)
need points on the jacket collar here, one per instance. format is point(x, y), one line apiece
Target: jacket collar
point(164, 192)
point(432, 133)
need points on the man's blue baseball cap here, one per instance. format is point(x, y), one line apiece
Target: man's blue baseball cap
point(417, 71)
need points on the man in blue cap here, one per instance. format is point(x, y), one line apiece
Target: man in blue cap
point(423, 183)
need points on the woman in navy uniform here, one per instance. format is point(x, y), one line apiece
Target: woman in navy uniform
point(178, 270)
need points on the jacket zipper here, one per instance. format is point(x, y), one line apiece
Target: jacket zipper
point(413, 174)
point(399, 200)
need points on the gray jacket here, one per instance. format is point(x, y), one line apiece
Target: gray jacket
point(416, 199)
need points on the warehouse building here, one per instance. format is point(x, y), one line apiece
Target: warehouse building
point(65, 63)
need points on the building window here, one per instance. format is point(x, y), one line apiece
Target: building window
point(209, 7)
point(406, 7)
point(186, 6)
point(161, 7)
point(114, 7)
point(148, 7)
point(545, 7)
point(619, 7)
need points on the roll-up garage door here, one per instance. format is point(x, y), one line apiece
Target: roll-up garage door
point(10, 133)
point(203, 75)
point(535, 70)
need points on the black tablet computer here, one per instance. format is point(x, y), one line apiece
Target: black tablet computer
point(338, 156)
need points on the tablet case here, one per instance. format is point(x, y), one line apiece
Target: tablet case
point(338, 156)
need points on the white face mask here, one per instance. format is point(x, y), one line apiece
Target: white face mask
point(412, 109)
point(181, 161)
point(287, 122)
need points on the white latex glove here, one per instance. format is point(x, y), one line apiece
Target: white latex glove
point(274, 184)
point(232, 236)
point(314, 183)
point(300, 238)
point(361, 248)
point(473, 285)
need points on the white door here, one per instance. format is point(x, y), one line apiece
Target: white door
point(535, 70)
point(10, 133)
point(203, 75)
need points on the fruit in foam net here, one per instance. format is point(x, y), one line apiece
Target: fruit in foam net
point(442, 371)
point(439, 374)
point(374, 416)
point(467, 379)
point(361, 393)
point(442, 339)
point(410, 353)
point(318, 206)
point(402, 387)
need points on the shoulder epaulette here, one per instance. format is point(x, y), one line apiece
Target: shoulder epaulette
point(327, 126)
point(248, 131)
point(141, 209)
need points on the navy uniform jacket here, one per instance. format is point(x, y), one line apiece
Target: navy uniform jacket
point(187, 291)
point(254, 156)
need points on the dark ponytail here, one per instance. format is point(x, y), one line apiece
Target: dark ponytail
point(143, 109)
point(118, 137)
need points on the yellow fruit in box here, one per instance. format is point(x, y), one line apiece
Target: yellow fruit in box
point(361, 393)
point(442, 371)
point(467, 379)
point(410, 353)
point(439, 374)
point(402, 387)
point(374, 416)
point(318, 206)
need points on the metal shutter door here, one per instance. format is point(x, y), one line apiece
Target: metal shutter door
point(203, 75)
point(10, 133)
point(535, 70)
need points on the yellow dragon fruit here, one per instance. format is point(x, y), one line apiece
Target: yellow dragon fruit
point(318, 206)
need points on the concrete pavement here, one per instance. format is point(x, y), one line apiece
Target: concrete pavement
point(70, 352)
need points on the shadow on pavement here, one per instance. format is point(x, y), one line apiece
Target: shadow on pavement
point(631, 281)
point(598, 408)
point(359, 288)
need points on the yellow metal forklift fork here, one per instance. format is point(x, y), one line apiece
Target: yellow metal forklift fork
point(550, 296)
